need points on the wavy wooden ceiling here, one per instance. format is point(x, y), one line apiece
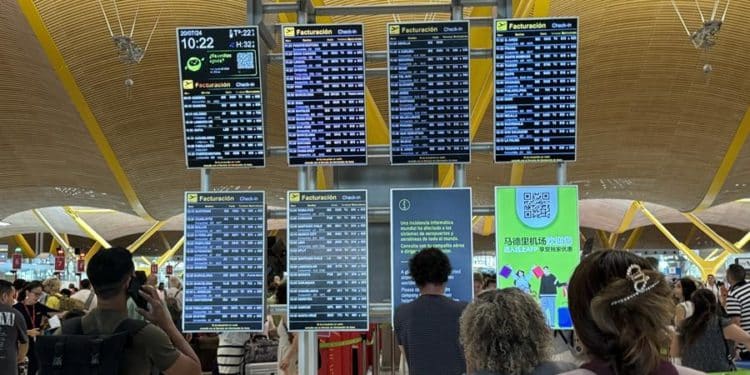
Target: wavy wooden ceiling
point(46, 155)
point(652, 125)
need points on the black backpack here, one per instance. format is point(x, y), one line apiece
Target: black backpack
point(76, 352)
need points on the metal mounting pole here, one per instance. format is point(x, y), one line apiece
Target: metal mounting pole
point(504, 8)
point(562, 173)
point(205, 179)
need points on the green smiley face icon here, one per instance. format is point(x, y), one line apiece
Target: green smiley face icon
point(194, 64)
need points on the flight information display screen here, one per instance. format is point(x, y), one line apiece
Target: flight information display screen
point(327, 237)
point(224, 270)
point(536, 81)
point(428, 77)
point(324, 86)
point(222, 102)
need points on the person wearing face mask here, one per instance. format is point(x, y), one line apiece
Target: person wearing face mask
point(35, 314)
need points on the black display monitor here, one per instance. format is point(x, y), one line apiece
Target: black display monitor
point(536, 86)
point(428, 80)
point(224, 264)
point(324, 87)
point(222, 100)
point(327, 260)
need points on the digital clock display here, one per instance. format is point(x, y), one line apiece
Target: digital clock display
point(222, 102)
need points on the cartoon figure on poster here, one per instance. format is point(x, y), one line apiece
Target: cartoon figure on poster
point(538, 245)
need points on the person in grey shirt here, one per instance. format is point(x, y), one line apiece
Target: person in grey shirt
point(13, 339)
point(427, 328)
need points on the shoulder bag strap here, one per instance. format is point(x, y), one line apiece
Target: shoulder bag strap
point(89, 300)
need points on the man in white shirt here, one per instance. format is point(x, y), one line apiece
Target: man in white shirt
point(86, 295)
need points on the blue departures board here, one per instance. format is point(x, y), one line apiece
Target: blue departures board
point(222, 102)
point(224, 264)
point(422, 218)
point(327, 260)
point(428, 77)
point(324, 86)
point(536, 81)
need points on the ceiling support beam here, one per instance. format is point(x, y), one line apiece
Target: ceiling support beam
point(723, 243)
point(603, 238)
point(24, 245)
point(92, 251)
point(58, 238)
point(146, 236)
point(627, 219)
point(170, 253)
point(706, 266)
point(635, 235)
point(68, 81)
point(86, 228)
point(722, 173)
point(741, 243)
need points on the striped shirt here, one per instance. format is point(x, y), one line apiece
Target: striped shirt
point(738, 305)
point(231, 353)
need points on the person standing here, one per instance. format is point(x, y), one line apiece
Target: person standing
point(713, 287)
point(738, 302)
point(159, 345)
point(683, 290)
point(427, 329)
point(288, 342)
point(35, 315)
point(548, 295)
point(14, 343)
point(86, 295)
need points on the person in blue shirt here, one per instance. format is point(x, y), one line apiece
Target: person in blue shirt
point(521, 281)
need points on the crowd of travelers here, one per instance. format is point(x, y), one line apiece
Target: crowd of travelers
point(627, 317)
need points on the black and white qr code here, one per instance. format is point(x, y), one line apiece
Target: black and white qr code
point(245, 60)
point(536, 206)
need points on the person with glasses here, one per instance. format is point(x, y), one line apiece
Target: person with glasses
point(35, 315)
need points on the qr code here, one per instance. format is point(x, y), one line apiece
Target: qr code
point(245, 61)
point(536, 206)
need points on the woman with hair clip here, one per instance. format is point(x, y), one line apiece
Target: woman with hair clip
point(621, 310)
point(683, 289)
point(701, 340)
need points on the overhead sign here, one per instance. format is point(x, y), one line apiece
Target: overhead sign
point(154, 268)
point(324, 91)
point(327, 260)
point(536, 81)
point(80, 265)
point(17, 261)
point(538, 244)
point(423, 218)
point(428, 80)
point(170, 270)
point(224, 267)
point(59, 263)
point(222, 100)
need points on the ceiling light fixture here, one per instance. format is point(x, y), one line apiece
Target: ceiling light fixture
point(705, 36)
point(129, 51)
point(4, 224)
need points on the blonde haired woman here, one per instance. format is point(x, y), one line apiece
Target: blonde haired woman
point(52, 286)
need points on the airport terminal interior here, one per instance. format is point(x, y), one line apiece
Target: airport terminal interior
point(237, 145)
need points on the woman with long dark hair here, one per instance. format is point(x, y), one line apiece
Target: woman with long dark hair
point(683, 289)
point(701, 339)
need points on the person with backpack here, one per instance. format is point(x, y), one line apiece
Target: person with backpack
point(86, 295)
point(106, 341)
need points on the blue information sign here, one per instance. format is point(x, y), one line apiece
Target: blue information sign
point(438, 218)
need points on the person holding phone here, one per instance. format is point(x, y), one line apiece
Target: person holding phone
point(159, 345)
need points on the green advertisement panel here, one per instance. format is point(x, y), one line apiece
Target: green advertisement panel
point(538, 245)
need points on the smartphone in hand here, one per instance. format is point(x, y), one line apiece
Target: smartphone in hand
point(133, 289)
